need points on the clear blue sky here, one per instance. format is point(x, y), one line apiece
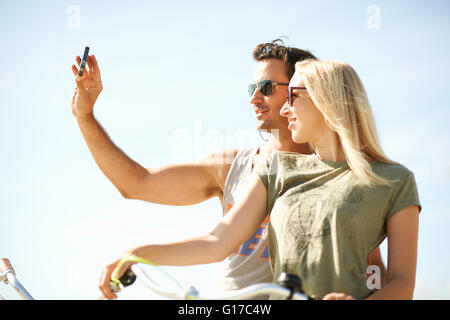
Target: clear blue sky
point(175, 78)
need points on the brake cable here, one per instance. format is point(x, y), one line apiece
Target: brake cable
point(128, 278)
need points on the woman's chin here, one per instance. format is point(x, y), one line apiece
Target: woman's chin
point(297, 138)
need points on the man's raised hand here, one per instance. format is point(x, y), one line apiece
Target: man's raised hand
point(88, 87)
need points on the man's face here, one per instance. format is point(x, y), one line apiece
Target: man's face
point(267, 108)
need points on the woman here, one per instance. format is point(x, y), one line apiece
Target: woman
point(327, 210)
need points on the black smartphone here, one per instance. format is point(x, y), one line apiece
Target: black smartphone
point(83, 61)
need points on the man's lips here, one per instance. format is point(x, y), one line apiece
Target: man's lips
point(259, 111)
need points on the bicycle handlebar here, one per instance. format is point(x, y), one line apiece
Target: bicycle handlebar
point(291, 284)
point(5, 265)
point(289, 287)
point(8, 276)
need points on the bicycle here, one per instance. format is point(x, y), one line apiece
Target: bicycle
point(8, 276)
point(289, 286)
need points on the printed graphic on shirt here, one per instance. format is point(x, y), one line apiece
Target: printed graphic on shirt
point(249, 246)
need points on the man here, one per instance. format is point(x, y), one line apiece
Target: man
point(213, 176)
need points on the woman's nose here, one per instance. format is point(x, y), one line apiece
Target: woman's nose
point(285, 110)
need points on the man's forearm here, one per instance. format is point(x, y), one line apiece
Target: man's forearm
point(122, 171)
point(182, 184)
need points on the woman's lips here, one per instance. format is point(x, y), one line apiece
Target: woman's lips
point(291, 122)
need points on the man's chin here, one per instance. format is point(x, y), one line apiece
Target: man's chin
point(267, 129)
point(263, 126)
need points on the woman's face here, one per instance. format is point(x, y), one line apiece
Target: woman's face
point(306, 122)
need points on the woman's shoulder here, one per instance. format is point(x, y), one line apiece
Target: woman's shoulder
point(290, 158)
point(289, 154)
point(392, 170)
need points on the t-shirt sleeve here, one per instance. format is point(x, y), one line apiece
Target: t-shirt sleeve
point(262, 169)
point(405, 196)
point(267, 170)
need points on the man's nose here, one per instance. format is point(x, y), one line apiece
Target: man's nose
point(257, 97)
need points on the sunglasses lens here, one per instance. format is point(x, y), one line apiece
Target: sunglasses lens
point(265, 87)
point(251, 89)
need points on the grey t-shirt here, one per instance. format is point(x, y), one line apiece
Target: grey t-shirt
point(249, 264)
point(323, 223)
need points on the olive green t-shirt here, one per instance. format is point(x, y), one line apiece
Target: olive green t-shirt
point(323, 224)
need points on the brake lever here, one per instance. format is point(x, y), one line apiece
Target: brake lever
point(126, 280)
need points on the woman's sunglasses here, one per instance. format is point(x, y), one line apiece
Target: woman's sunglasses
point(264, 86)
point(290, 97)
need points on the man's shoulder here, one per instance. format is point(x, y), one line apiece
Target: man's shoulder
point(220, 158)
point(226, 157)
point(218, 165)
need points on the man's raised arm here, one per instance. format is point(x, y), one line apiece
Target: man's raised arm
point(182, 184)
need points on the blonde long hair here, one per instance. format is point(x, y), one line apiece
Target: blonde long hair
point(339, 95)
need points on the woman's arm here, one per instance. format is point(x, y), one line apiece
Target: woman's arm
point(234, 228)
point(374, 258)
point(402, 232)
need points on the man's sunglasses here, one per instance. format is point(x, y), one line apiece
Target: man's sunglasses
point(290, 97)
point(264, 86)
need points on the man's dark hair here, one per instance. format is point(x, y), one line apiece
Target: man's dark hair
point(277, 50)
